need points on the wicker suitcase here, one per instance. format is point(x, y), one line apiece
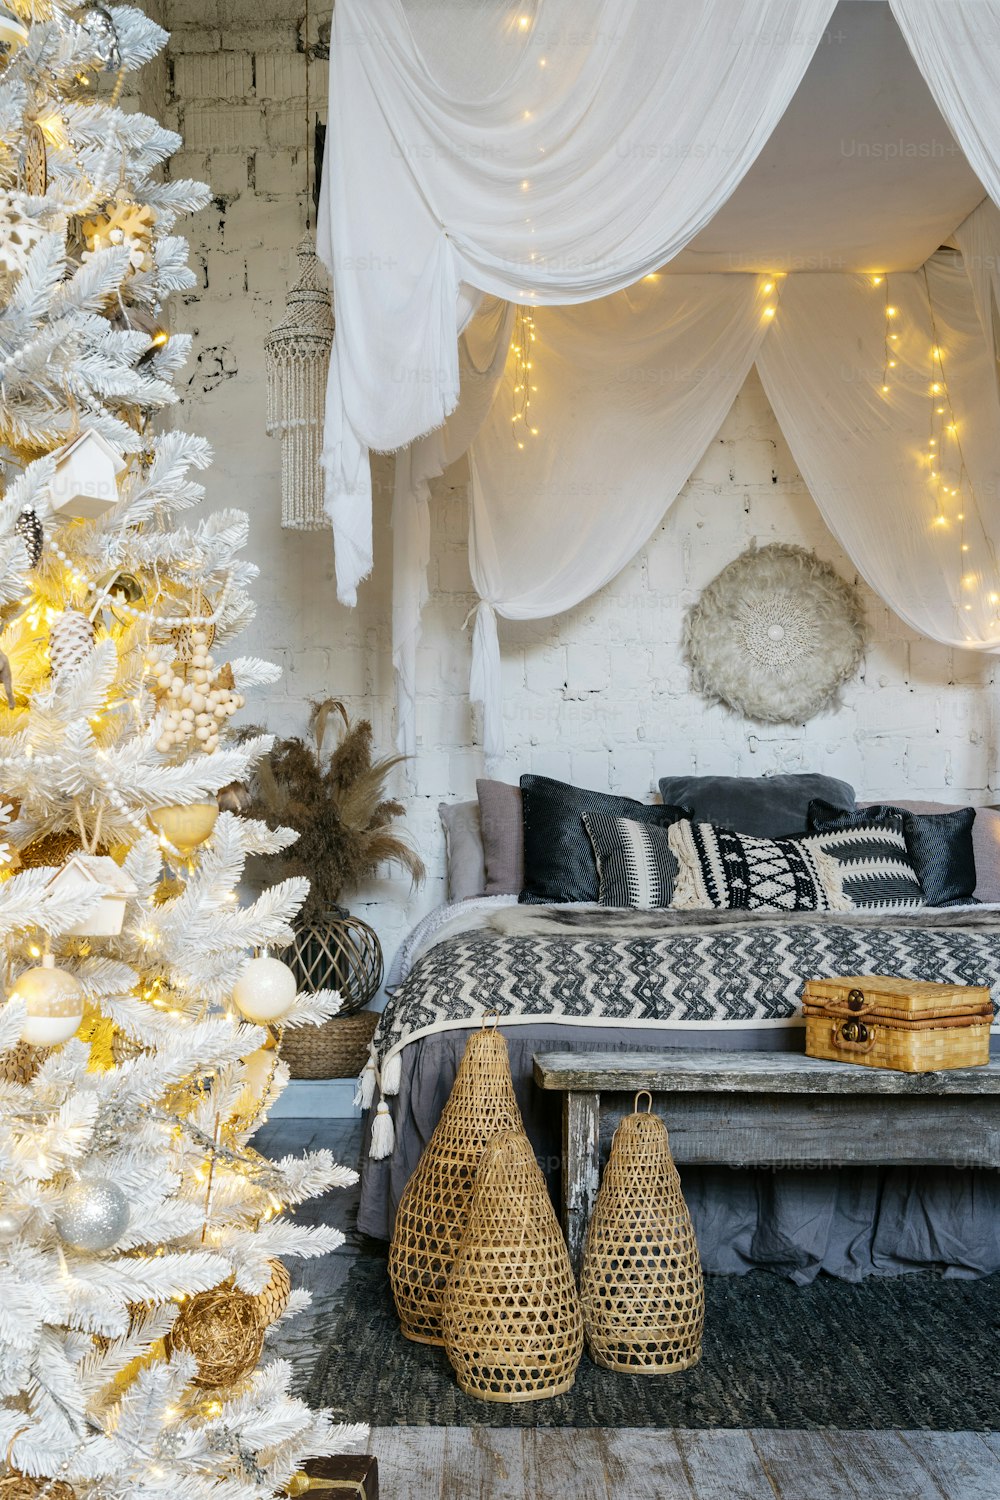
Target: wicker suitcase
point(897, 1023)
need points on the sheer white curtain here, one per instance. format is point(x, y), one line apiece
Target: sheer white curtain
point(546, 152)
point(978, 238)
point(624, 396)
point(956, 46)
point(907, 479)
point(482, 355)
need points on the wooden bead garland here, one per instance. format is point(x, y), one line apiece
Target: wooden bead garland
point(197, 704)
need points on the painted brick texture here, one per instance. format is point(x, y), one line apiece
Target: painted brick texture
point(599, 695)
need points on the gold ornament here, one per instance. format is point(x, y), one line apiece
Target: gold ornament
point(168, 889)
point(53, 1002)
point(122, 223)
point(273, 1300)
point(224, 1330)
point(36, 165)
point(117, 589)
point(71, 640)
point(185, 827)
point(51, 849)
point(23, 1487)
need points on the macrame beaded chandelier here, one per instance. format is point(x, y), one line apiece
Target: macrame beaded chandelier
point(297, 354)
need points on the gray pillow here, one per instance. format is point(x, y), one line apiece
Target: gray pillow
point(502, 821)
point(770, 807)
point(463, 850)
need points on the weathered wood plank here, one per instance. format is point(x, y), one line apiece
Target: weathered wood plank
point(485, 1462)
point(581, 1168)
point(565, 1463)
point(723, 1465)
point(826, 1130)
point(804, 1466)
point(646, 1464)
point(960, 1463)
point(411, 1461)
point(747, 1072)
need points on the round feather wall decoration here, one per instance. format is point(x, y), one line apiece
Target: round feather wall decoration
point(775, 635)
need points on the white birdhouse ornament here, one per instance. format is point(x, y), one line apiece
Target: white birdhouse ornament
point(85, 484)
point(96, 872)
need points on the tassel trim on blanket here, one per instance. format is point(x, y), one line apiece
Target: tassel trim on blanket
point(383, 1135)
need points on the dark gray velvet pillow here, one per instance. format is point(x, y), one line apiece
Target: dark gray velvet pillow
point(559, 863)
point(771, 807)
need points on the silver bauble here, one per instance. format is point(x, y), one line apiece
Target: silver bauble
point(10, 1225)
point(93, 1215)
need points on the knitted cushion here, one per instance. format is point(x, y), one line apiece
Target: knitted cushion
point(719, 868)
point(870, 848)
point(635, 864)
point(942, 854)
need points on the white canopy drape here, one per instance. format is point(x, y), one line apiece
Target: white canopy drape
point(610, 133)
point(562, 151)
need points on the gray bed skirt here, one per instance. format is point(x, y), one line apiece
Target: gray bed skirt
point(845, 1222)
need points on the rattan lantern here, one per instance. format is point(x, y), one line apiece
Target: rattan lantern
point(641, 1283)
point(512, 1324)
point(297, 352)
point(343, 953)
point(434, 1208)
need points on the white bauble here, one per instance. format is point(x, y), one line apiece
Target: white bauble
point(53, 1004)
point(93, 1214)
point(265, 990)
point(11, 1225)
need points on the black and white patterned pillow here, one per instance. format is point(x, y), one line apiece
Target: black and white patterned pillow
point(635, 864)
point(876, 869)
point(719, 868)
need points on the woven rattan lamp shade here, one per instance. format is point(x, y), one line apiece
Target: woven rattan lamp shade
point(641, 1284)
point(512, 1324)
point(435, 1206)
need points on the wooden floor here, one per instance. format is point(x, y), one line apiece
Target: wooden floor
point(496, 1463)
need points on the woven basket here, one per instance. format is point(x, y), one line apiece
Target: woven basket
point(512, 1324)
point(641, 1284)
point(342, 953)
point(336, 1049)
point(434, 1208)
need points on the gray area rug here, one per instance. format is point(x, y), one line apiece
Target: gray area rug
point(914, 1351)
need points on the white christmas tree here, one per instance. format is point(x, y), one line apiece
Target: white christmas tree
point(139, 1036)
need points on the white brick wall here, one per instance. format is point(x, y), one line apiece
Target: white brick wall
point(600, 694)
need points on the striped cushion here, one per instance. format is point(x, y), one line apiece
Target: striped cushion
point(870, 848)
point(635, 864)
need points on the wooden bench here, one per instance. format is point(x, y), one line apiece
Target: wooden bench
point(769, 1109)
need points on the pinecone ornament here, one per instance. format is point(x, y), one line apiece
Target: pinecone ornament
point(71, 640)
point(273, 1300)
point(29, 529)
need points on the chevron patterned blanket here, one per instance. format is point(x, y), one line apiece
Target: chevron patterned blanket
point(669, 969)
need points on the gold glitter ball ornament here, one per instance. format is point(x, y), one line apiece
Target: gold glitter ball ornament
point(23, 1487)
point(224, 1330)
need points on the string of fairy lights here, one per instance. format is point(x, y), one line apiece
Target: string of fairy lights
point(952, 492)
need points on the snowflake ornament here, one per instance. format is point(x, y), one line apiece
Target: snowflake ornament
point(19, 234)
point(122, 223)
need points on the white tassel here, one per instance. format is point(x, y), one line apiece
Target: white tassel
point(383, 1135)
point(392, 1074)
point(365, 1091)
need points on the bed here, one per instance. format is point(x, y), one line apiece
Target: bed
point(591, 978)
